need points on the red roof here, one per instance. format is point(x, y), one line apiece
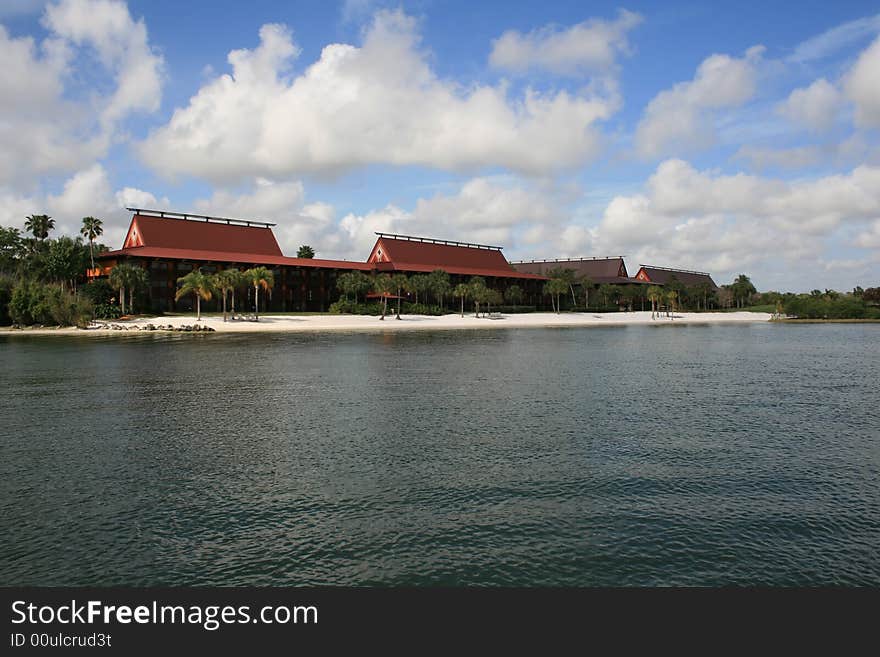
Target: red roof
point(413, 255)
point(170, 233)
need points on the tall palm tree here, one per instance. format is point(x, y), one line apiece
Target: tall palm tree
point(671, 298)
point(259, 277)
point(383, 284)
point(586, 284)
point(462, 291)
point(224, 282)
point(137, 280)
point(655, 294)
point(120, 276)
point(197, 284)
point(39, 225)
point(237, 279)
point(91, 228)
point(400, 283)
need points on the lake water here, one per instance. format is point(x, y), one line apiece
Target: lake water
point(674, 455)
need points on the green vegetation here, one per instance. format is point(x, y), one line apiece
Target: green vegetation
point(41, 278)
point(197, 284)
point(305, 251)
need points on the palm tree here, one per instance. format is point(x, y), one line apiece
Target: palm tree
point(383, 284)
point(655, 294)
point(137, 279)
point(513, 295)
point(555, 287)
point(39, 225)
point(260, 277)
point(586, 283)
point(197, 284)
point(91, 228)
point(126, 276)
point(671, 297)
point(236, 280)
point(400, 283)
point(462, 291)
point(224, 282)
point(305, 251)
point(478, 291)
point(438, 283)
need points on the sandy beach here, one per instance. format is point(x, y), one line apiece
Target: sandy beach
point(300, 323)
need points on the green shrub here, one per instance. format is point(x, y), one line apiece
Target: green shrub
point(35, 303)
point(344, 306)
point(6, 287)
point(107, 311)
point(421, 309)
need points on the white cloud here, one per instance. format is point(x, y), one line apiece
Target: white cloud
point(862, 86)
point(681, 119)
point(782, 158)
point(836, 38)
point(378, 103)
point(815, 107)
point(593, 45)
point(86, 193)
point(726, 223)
point(870, 238)
point(49, 125)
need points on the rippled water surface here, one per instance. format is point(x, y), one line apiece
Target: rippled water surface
point(697, 455)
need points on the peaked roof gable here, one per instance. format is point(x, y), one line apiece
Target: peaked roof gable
point(169, 233)
point(600, 270)
point(403, 253)
point(662, 276)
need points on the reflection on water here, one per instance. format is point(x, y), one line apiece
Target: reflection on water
point(616, 456)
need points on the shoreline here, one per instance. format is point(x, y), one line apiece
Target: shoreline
point(365, 323)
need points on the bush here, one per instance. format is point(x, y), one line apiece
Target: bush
point(98, 292)
point(344, 306)
point(822, 307)
point(35, 303)
point(107, 311)
point(421, 309)
point(5, 297)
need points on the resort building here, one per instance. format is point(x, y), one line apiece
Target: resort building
point(662, 276)
point(170, 245)
point(599, 270)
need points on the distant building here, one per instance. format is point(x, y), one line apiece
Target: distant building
point(600, 270)
point(170, 245)
point(662, 276)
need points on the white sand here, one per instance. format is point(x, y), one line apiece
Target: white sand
point(297, 323)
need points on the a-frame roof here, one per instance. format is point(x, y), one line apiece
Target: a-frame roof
point(662, 276)
point(599, 270)
point(199, 235)
point(410, 254)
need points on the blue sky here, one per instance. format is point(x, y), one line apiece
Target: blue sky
point(724, 138)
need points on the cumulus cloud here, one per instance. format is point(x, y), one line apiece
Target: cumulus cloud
point(862, 86)
point(377, 103)
point(815, 107)
point(869, 238)
point(760, 158)
point(593, 45)
point(47, 124)
point(681, 119)
point(723, 223)
point(87, 192)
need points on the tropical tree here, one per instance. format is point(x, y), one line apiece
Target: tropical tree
point(91, 228)
point(655, 296)
point(138, 279)
point(439, 285)
point(225, 281)
point(671, 302)
point(567, 276)
point(493, 296)
point(478, 291)
point(462, 291)
point(607, 291)
point(383, 284)
point(586, 284)
point(400, 282)
point(11, 249)
point(65, 261)
point(354, 283)
point(513, 295)
point(420, 283)
point(259, 277)
point(197, 284)
point(555, 288)
point(743, 289)
point(39, 225)
point(305, 251)
point(237, 280)
point(127, 277)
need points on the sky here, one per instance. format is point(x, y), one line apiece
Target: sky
point(731, 139)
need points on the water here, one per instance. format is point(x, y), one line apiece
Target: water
point(699, 455)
